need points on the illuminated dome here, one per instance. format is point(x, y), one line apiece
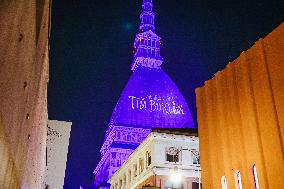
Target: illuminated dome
point(151, 99)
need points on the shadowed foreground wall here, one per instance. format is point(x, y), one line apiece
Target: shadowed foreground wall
point(241, 117)
point(23, 92)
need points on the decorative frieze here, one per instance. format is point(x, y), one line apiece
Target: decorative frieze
point(125, 135)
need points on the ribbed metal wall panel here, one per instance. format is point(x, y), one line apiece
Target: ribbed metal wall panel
point(241, 117)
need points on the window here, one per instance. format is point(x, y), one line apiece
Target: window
point(255, 178)
point(118, 135)
point(113, 154)
point(172, 158)
point(124, 180)
point(148, 158)
point(117, 163)
point(120, 183)
point(128, 138)
point(172, 154)
point(224, 182)
point(141, 165)
point(158, 44)
point(195, 160)
point(238, 180)
point(112, 163)
point(123, 136)
point(195, 185)
point(129, 176)
point(195, 157)
point(135, 170)
point(143, 52)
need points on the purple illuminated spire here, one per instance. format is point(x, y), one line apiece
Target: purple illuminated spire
point(149, 100)
point(147, 16)
point(147, 43)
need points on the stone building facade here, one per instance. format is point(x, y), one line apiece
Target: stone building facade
point(58, 134)
point(24, 33)
point(152, 163)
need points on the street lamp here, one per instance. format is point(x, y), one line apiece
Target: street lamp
point(176, 177)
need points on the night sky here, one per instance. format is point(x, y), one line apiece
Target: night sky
point(91, 53)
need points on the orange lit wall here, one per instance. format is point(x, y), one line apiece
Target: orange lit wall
point(23, 92)
point(241, 117)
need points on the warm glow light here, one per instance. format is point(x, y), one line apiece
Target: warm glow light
point(176, 177)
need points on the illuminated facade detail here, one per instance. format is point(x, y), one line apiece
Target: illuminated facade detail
point(125, 135)
point(147, 43)
point(238, 180)
point(137, 171)
point(147, 51)
point(224, 182)
point(156, 103)
point(149, 100)
point(147, 16)
point(255, 178)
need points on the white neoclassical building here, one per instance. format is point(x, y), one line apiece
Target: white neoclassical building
point(58, 134)
point(167, 158)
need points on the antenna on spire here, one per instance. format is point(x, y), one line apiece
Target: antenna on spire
point(147, 43)
point(147, 16)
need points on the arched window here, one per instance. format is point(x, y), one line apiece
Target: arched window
point(148, 158)
point(141, 165)
point(172, 154)
point(118, 135)
point(224, 182)
point(238, 180)
point(157, 43)
point(153, 54)
point(255, 178)
point(128, 138)
point(129, 176)
point(135, 170)
point(144, 19)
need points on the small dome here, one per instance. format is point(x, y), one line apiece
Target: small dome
point(151, 100)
